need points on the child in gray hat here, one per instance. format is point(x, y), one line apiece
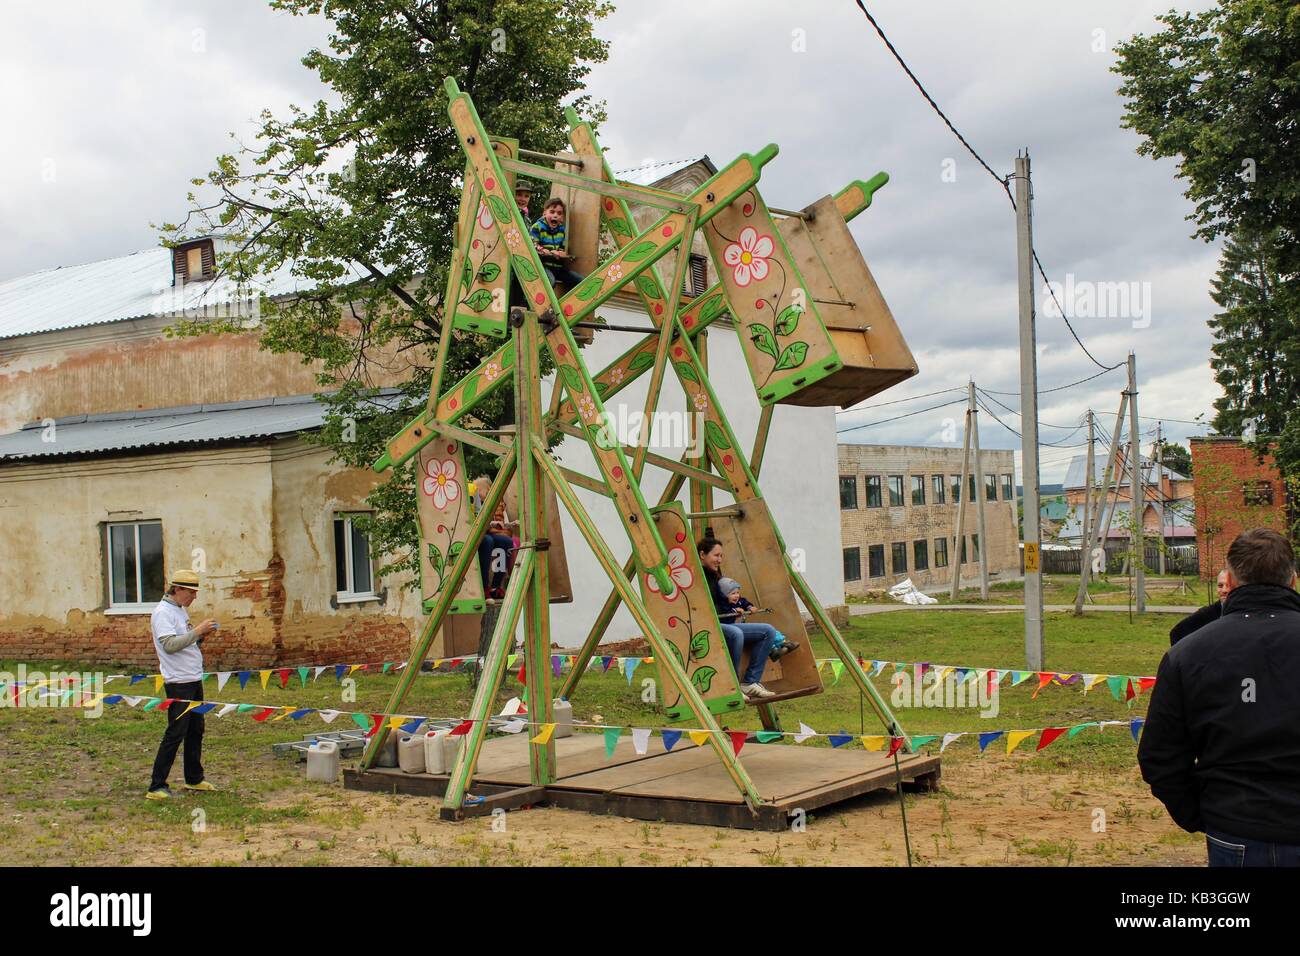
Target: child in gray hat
point(730, 589)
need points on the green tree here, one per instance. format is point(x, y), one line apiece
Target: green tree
point(356, 196)
point(1220, 91)
point(1256, 352)
point(1177, 458)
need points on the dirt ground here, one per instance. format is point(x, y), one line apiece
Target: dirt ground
point(988, 812)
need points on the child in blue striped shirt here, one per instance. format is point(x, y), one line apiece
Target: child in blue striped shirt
point(548, 235)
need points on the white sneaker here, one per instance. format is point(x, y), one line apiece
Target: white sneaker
point(755, 690)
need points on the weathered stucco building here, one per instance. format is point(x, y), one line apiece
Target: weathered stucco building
point(126, 453)
point(898, 509)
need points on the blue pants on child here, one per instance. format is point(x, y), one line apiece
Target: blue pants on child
point(759, 638)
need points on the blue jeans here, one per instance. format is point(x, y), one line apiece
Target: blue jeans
point(1223, 849)
point(759, 638)
point(563, 275)
point(494, 553)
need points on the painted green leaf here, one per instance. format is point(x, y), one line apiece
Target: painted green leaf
point(677, 653)
point(600, 435)
point(489, 272)
point(700, 645)
point(793, 355)
point(686, 372)
point(454, 551)
point(714, 307)
point(788, 320)
point(524, 268)
point(641, 360)
point(435, 558)
point(480, 300)
point(500, 211)
point(640, 251)
point(647, 285)
point(618, 225)
point(470, 389)
point(703, 678)
point(508, 355)
point(601, 388)
point(589, 288)
point(763, 339)
point(572, 378)
point(466, 276)
point(715, 436)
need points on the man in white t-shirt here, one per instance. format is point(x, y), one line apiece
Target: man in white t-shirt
point(181, 664)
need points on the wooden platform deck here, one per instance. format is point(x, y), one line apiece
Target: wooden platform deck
point(686, 785)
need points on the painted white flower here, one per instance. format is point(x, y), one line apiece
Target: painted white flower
point(440, 482)
point(586, 407)
point(678, 571)
point(484, 216)
point(491, 371)
point(615, 272)
point(616, 376)
point(748, 257)
point(701, 403)
point(512, 236)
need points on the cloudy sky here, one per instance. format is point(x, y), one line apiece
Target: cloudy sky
point(111, 109)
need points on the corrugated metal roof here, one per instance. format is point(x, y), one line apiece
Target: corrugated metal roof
point(188, 424)
point(652, 173)
point(125, 287)
point(1074, 474)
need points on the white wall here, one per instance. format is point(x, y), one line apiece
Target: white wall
point(798, 477)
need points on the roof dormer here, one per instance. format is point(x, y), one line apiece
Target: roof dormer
point(193, 261)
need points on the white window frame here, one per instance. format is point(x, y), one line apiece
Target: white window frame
point(129, 607)
point(349, 596)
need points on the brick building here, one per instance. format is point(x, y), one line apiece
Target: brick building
point(898, 509)
point(1236, 490)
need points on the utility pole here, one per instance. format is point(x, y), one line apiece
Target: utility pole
point(1085, 540)
point(959, 531)
point(1160, 489)
point(1029, 417)
point(1101, 534)
point(980, 492)
point(1137, 539)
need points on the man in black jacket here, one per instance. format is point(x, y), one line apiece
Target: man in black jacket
point(1221, 745)
point(1199, 618)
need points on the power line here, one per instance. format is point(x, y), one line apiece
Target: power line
point(1013, 411)
point(886, 421)
point(912, 398)
point(1003, 181)
point(1061, 388)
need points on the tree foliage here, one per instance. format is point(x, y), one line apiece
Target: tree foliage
point(356, 196)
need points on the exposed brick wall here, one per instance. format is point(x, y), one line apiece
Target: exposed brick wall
point(1223, 467)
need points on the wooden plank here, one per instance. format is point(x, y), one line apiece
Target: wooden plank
point(483, 288)
point(442, 506)
point(487, 805)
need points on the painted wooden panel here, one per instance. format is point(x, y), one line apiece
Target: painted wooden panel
point(442, 506)
point(482, 299)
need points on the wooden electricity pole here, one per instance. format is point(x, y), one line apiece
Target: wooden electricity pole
point(1100, 532)
point(1029, 417)
point(959, 530)
point(972, 420)
point(1137, 540)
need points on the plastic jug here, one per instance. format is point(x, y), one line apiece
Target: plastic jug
point(323, 761)
point(562, 714)
point(387, 756)
point(440, 751)
point(410, 754)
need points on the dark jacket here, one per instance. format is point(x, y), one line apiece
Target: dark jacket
point(1195, 621)
point(734, 611)
point(1221, 745)
point(720, 603)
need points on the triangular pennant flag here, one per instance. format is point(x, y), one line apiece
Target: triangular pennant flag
point(922, 740)
point(316, 675)
point(465, 726)
point(699, 737)
point(1135, 727)
point(804, 733)
point(153, 703)
point(138, 677)
point(327, 715)
point(640, 740)
point(543, 735)
point(1019, 677)
point(839, 740)
point(611, 740)
point(1145, 683)
point(555, 665)
point(510, 660)
point(877, 667)
point(225, 709)
point(1067, 680)
point(1016, 737)
point(113, 699)
point(837, 668)
point(353, 668)
point(738, 738)
point(670, 738)
point(605, 662)
point(243, 679)
point(1090, 681)
point(376, 721)
point(264, 676)
point(1044, 678)
point(264, 713)
point(157, 683)
point(222, 677)
point(1080, 727)
point(874, 742)
point(133, 701)
point(284, 677)
point(1129, 692)
point(244, 708)
point(947, 739)
point(895, 744)
point(362, 721)
point(630, 664)
point(388, 665)
point(514, 726)
point(1116, 685)
point(302, 675)
point(395, 722)
point(300, 713)
point(1049, 734)
point(523, 674)
point(339, 671)
point(767, 736)
point(988, 736)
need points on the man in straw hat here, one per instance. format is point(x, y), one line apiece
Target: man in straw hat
point(181, 664)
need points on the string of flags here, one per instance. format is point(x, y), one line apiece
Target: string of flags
point(670, 737)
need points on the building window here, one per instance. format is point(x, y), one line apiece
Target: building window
point(873, 491)
point(696, 282)
point(898, 557)
point(135, 565)
point(1008, 488)
point(1257, 493)
point(955, 485)
point(971, 480)
point(848, 492)
point(940, 552)
point(876, 561)
point(991, 487)
point(193, 261)
point(937, 490)
point(961, 559)
point(852, 564)
point(918, 489)
point(354, 573)
point(975, 547)
point(895, 491)
point(920, 555)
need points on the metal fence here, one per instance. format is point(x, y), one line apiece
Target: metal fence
point(1182, 559)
